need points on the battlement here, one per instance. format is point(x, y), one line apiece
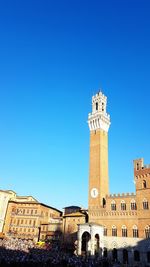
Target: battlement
point(140, 169)
point(99, 95)
point(147, 166)
point(120, 195)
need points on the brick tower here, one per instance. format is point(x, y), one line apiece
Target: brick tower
point(99, 122)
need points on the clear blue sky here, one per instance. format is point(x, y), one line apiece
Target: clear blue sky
point(54, 55)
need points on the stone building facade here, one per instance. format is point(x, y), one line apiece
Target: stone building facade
point(24, 218)
point(72, 217)
point(125, 218)
point(52, 231)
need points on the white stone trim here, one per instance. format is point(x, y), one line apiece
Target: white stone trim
point(99, 119)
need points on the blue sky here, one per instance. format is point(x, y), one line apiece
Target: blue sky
point(54, 55)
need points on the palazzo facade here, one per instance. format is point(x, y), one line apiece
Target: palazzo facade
point(124, 218)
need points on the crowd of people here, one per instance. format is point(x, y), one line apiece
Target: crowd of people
point(20, 253)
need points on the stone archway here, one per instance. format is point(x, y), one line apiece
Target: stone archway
point(85, 243)
point(90, 239)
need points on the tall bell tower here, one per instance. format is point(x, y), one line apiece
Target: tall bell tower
point(99, 122)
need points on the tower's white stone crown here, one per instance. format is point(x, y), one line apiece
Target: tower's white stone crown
point(99, 119)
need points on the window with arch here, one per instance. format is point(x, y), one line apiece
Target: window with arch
point(145, 204)
point(102, 106)
point(147, 231)
point(135, 231)
point(133, 204)
point(113, 205)
point(124, 231)
point(96, 105)
point(137, 166)
point(104, 202)
point(105, 231)
point(136, 255)
point(144, 184)
point(114, 230)
point(123, 205)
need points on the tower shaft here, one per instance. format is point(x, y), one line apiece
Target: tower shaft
point(99, 122)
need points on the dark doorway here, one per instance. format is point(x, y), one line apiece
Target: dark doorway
point(136, 255)
point(105, 252)
point(125, 256)
point(115, 254)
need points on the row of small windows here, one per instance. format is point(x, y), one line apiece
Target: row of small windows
point(133, 205)
point(21, 221)
point(24, 211)
point(17, 230)
point(31, 212)
point(124, 230)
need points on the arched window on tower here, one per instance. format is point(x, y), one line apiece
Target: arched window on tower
point(104, 202)
point(137, 167)
point(113, 205)
point(144, 184)
point(133, 204)
point(102, 106)
point(124, 231)
point(147, 231)
point(114, 230)
point(96, 106)
point(135, 231)
point(145, 204)
point(123, 205)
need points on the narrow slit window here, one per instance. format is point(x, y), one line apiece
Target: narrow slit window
point(96, 105)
